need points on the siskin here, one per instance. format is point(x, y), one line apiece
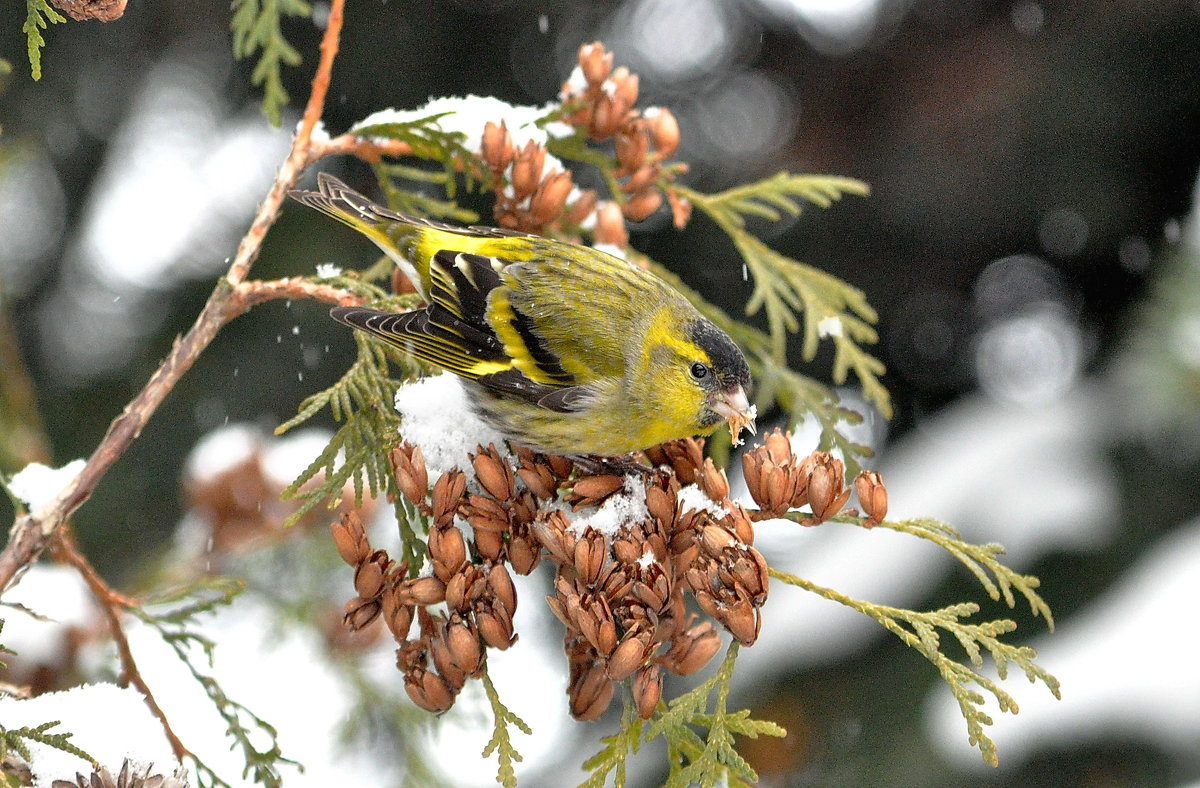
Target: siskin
point(567, 350)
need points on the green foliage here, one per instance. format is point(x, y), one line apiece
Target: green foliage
point(174, 622)
point(920, 629)
point(15, 740)
point(617, 748)
point(37, 14)
point(712, 759)
point(501, 742)
point(784, 287)
point(416, 204)
point(693, 759)
point(424, 136)
point(255, 25)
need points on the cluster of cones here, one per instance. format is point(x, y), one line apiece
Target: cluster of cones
point(780, 481)
point(620, 590)
point(600, 102)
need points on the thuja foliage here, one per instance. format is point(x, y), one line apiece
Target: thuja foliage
point(16, 740)
point(701, 749)
point(256, 30)
point(37, 14)
point(174, 615)
point(920, 629)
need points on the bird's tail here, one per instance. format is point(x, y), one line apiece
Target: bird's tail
point(397, 234)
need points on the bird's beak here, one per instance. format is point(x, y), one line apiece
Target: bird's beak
point(732, 405)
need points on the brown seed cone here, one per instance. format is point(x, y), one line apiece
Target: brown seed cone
point(497, 147)
point(501, 585)
point(411, 474)
point(538, 477)
point(684, 456)
point(550, 199)
point(595, 63)
point(631, 144)
point(773, 477)
point(397, 614)
point(495, 626)
point(465, 649)
point(583, 207)
point(662, 505)
point(872, 495)
point(429, 691)
point(606, 118)
point(489, 544)
point(712, 481)
point(664, 131)
point(494, 473)
point(443, 660)
point(447, 551)
point(825, 492)
point(647, 690)
point(527, 169)
point(523, 552)
point(368, 577)
point(640, 206)
point(561, 466)
point(778, 447)
point(350, 538)
point(642, 180)
point(591, 694)
point(625, 93)
point(681, 209)
point(592, 490)
point(421, 591)
point(550, 530)
point(739, 520)
point(626, 658)
point(447, 496)
point(101, 10)
point(692, 649)
point(610, 225)
point(590, 555)
point(485, 513)
point(743, 621)
point(360, 612)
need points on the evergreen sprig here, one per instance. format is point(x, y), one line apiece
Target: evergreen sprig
point(37, 14)
point(16, 739)
point(425, 137)
point(920, 629)
point(501, 741)
point(618, 747)
point(410, 202)
point(256, 27)
point(785, 288)
point(982, 561)
point(712, 759)
point(175, 625)
point(358, 453)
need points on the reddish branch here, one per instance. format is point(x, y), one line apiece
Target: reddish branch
point(232, 297)
point(112, 602)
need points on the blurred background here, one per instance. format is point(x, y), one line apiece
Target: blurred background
point(1028, 244)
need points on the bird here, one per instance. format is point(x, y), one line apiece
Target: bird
point(562, 348)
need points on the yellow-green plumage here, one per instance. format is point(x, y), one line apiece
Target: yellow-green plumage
point(568, 350)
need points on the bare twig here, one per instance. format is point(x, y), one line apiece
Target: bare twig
point(113, 604)
point(231, 297)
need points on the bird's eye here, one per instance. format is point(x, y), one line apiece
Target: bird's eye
point(699, 371)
